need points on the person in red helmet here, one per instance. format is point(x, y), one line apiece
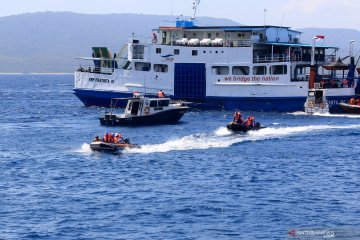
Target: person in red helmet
point(238, 118)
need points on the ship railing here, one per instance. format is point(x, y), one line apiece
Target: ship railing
point(329, 59)
point(337, 81)
point(98, 70)
point(326, 81)
point(277, 58)
point(141, 40)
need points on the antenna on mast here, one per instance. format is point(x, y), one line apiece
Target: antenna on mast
point(196, 4)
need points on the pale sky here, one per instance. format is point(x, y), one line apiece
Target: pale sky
point(291, 13)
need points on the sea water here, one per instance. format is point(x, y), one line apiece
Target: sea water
point(191, 180)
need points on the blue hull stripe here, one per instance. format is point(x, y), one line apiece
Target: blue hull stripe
point(286, 104)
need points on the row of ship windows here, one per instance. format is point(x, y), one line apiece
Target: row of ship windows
point(245, 70)
point(146, 66)
point(221, 70)
point(193, 52)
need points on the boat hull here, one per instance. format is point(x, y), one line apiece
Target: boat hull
point(110, 147)
point(163, 117)
point(233, 127)
point(354, 109)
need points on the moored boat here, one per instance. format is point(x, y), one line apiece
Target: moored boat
point(316, 102)
point(142, 110)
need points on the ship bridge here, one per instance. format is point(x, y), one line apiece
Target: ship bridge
point(223, 36)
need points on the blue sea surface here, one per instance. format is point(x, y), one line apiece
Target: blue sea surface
point(191, 180)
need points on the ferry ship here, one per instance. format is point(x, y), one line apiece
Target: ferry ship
point(261, 68)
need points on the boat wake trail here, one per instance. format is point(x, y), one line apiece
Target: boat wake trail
point(221, 138)
point(326, 115)
point(194, 141)
point(85, 148)
point(337, 115)
point(298, 113)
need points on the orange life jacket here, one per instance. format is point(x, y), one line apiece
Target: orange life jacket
point(250, 121)
point(161, 94)
point(237, 116)
point(108, 138)
point(117, 138)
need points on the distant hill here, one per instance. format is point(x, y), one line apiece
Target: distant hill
point(334, 37)
point(51, 41)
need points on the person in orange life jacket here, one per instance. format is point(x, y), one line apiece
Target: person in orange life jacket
point(108, 138)
point(161, 94)
point(238, 118)
point(105, 137)
point(352, 101)
point(250, 121)
point(322, 83)
point(345, 83)
point(358, 101)
point(118, 138)
point(332, 84)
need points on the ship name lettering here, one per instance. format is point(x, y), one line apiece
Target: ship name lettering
point(270, 78)
point(103, 80)
point(250, 79)
point(237, 79)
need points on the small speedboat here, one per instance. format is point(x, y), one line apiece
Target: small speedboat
point(316, 102)
point(142, 110)
point(237, 127)
point(112, 147)
point(350, 108)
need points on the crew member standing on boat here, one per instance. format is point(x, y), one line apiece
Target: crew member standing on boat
point(161, 94)
point(154, 38)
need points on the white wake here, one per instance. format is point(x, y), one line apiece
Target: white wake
point(299, 113)
point(85, 148)
point(222, 138)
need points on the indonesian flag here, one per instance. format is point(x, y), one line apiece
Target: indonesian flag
point(320, 36)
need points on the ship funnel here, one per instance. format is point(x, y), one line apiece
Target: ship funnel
point(351, 52)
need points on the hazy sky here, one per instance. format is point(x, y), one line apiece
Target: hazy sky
point(293, 13)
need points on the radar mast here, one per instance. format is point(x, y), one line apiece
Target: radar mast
point(196, 4)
